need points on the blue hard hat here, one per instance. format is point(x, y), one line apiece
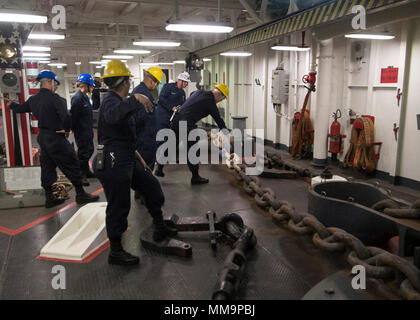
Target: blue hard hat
point(48, 74)
point(86, 78)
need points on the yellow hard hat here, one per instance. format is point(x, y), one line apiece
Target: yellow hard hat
point(223, 89)
point(156, 72)
point(116, 68)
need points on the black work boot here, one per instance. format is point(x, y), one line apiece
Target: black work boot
point(196, 179)
point(85, 182)
point(119, 256)
point(89, 174)
point(162, 230)
point(83, 197)
point(159, 171)
point(50, 199)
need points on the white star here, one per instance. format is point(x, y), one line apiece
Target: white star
point(12, 40)
point(26, 27)
point(3, 60)
point(15, 25)
point(2, 40)
point(14, 61)
point(16, 33)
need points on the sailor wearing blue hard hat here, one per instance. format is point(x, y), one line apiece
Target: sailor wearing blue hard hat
point(54, 122)
point(82, 124)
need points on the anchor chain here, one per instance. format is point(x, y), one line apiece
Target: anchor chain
point(379, 263)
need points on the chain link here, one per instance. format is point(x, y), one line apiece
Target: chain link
point(379, 263)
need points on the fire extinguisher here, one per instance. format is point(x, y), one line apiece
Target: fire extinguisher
point(336, 138)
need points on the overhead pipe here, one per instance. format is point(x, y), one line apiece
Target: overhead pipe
point(251, 12)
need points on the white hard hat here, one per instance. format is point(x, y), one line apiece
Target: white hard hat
point(97, 75)
point(185, 76)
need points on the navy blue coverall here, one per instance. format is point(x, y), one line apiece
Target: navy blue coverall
point(170, 96)
point(56, 151)
point(198, 106)
point(82, 125)
point(117, 131)
point(146, 128)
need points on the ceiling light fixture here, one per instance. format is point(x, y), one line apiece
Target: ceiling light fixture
point(206, 59)
point(77, 63)
point(157, 43)
point(22, 18)
point(35, 48)
point(236, 54)
point(36, 54)
point(179, 61)
point(131, 51)
point(57, 64)
point(46, 36)
point(198, 28)
point(290, 48)
point(117, 57)
point(370, 36)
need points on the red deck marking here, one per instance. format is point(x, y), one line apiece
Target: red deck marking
point(88, 259)
point(12, 232)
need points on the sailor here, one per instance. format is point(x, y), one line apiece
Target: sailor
point(198, 106)
point(171, 97)
point(146, 143)
point(54, 122)
point(123, 167)
point(82, 124)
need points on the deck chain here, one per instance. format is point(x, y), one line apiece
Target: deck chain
point(379, 263)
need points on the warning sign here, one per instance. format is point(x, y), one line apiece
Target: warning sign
point(389, 75)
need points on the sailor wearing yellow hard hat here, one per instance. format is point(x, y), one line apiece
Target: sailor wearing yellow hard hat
point(146, 143)
point(120, 168)
point(198, 106)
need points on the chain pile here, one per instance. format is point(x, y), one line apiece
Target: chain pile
point(379, 264)
point(61, 187)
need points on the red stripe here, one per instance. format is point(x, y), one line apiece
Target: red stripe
point(7, 231)
point(38, 221)
point(88, 259)
point(9, 127)
point(33, 91)
point(24, 126)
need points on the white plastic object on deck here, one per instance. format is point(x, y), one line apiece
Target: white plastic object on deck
point(82, 235)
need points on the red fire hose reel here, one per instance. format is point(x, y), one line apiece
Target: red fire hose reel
point(336, 138)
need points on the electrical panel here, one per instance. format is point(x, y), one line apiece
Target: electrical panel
point(10, 81)
point(195, 76)
point(280, 86)
point(205, 78)
point(357, 51)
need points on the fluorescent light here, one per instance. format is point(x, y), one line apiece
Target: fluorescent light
point(117, 57)
point(35, 48)
point(179, 61)
point(131, 51)
point(57, 64)
point(77, 63)
point(46, 36)
point(22, 18)
point(98, 67)
point(95, 62)
point(37, 59)
point(157, 43)
point(290, 48)
point(198, 28)
point(206, 59)
point(370, 36)
point(236, 54)
point(157, 63)
point(36, 54)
